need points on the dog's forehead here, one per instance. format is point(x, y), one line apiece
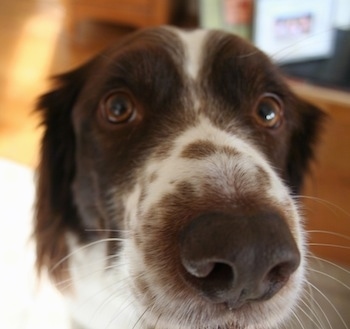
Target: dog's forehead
point(202, 48)
point(150, 41)
point(191, 50)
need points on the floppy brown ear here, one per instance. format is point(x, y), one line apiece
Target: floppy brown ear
point(55, 210)
point(303, 141)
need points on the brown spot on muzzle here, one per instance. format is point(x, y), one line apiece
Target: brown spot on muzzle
point(204, 148)
point(199, 149)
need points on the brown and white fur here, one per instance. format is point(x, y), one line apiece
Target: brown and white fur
point(166, 190)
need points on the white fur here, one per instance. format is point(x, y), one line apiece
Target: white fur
point(193, 44)
point(101, 297)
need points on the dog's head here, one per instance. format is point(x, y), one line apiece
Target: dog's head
point(172, 160)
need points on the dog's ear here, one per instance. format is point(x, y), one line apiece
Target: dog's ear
point(304, 136)
point(55, 210)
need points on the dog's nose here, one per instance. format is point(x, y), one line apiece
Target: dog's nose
point(235, 259)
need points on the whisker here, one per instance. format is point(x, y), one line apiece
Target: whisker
point(331, 277)
point(330, 303)
point(249, 54)
point(140, 317)
point(313, 317)
point(330, 233)
point(69, 283)
point(159, 316)
point(77, 250)
point(330, 263)
point(112, 296)
point(127, 303)
point(307, 315)
point(106, 301)
point(298, 319)
point(290, 48)
point(328, 245)
point(330, 205)
point(96, 262)
point(314, 301)
point(99, 261)
point(80, 277)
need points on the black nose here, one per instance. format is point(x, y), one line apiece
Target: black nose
point(235, 259)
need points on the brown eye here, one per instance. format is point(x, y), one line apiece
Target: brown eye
point(268, 112)
point(118, 107)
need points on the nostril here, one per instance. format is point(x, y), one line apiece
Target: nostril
point(279, 273)
point(221, 272)
point(289, 262)
point(212, 278)
point(211, 271)
point(277, 277)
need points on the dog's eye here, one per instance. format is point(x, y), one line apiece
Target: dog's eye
point(269, 111)
point(118, 107)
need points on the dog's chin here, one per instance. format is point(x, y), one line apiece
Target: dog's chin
point(186, 311)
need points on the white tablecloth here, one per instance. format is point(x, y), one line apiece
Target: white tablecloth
point(24, 302)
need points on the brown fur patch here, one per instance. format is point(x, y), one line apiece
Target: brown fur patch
point(263, 178)
point(153, 177)
point(199, 149)
point(164, 150)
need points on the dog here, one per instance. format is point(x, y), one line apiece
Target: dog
point(168, 182)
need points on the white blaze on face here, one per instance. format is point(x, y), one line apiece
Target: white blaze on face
point(193, 42)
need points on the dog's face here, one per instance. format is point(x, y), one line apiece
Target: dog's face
point(171, 161)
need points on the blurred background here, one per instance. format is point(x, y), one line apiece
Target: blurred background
point(308, 39)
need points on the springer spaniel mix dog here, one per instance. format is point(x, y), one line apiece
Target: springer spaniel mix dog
point(166, 194)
